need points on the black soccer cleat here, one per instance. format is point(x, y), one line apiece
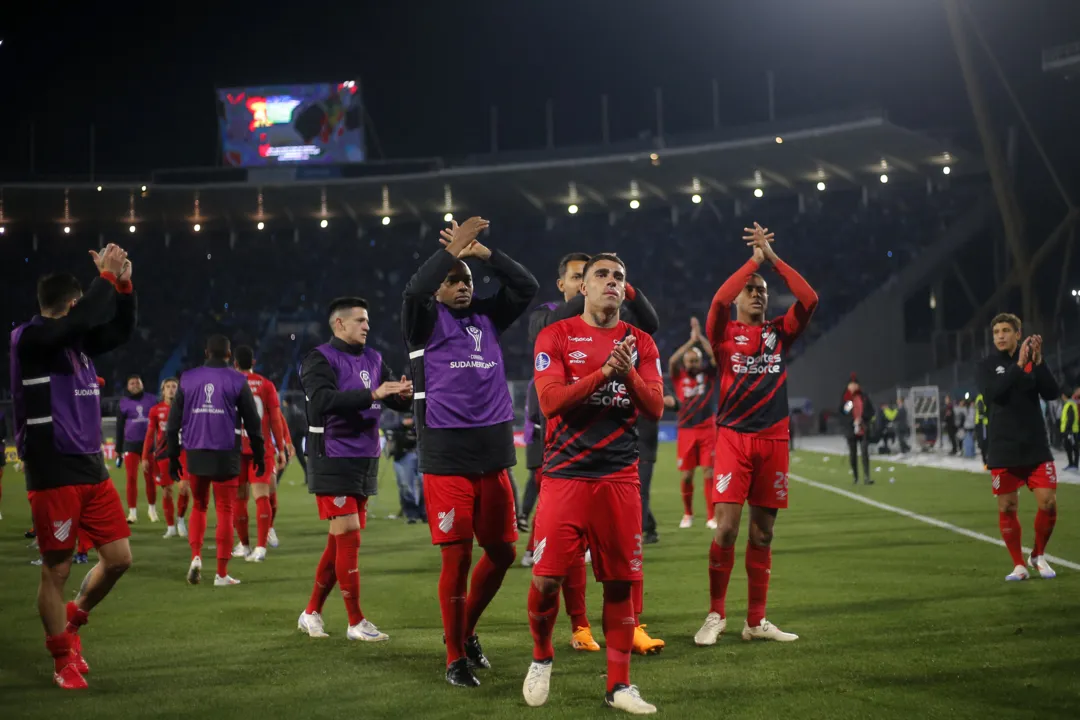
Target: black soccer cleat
point(651, 538)
point(459, 674)
point(475, 654)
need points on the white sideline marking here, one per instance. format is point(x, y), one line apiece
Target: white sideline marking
point(925, 519)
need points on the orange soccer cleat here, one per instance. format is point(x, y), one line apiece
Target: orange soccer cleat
point(645, 645)
point(583, 640)
point(69, 678)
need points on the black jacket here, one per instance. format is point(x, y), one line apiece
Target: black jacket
point(867, 416)
point(1016, 431)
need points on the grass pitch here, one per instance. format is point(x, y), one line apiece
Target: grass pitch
point(898, 619)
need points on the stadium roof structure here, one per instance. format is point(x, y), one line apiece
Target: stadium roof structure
point(845, 150)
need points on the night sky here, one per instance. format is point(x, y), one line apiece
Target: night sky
point(431, 70)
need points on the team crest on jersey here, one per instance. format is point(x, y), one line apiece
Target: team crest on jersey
point(340, 501)
point(769, 339)
point(543, 361)
point(365, 377)
point(722, 482)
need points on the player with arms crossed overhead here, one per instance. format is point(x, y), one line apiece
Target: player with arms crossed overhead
point(1011, 381)
point(692, 368)
point(210, 405)
point(132, 421)
point(346, 382)
point(259, 486)
point(155, 458)
point(465, 427)
point(594, 374)
point(751, 461)
point(57, 413)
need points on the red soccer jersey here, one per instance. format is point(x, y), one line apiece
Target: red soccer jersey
point(154, 445)
point(266, 400)
point(596, 437)
point(696, 393)
point(753, 358)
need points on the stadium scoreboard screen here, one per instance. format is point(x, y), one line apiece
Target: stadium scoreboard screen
point(313, 124)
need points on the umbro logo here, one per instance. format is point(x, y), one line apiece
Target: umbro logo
point(577, 358)
point(446, 521)
point(538, 550)
point(62, 530)
point(1000, 370)
point(741, 340)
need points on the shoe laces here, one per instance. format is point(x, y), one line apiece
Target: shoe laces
point(536, 672)
point(633, 691)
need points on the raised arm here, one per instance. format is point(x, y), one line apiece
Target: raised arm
point(517, 291)
point(96, 307)
point(720, 309)
point(806, 300)
point(677, 356)
point(418, 313)
point(117, 330)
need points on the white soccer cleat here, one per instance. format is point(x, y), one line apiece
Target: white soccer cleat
point(527, 559)
point(711, 631)
point(766, 631)
point(366, 631)
point(194, 573)
point(312, 624)
point(1039, 563)
point(241, 550)
point(687, 521)
point(711, 524)
point(257, 555)
point(271, 538)
point(132, 517)
point(225, 581)
point(181, 528)
point(1019, 573)
point(537, 684)
point(588, 556)
point(628, 698)
point(170, 531)
point(152, 513)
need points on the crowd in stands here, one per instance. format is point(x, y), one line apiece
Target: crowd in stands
point(269, 288)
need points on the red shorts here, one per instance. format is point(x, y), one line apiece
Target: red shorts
point(696, 446)
point(93, 512)
point(603, 515)
point(1009, 480)
point(750, 469)
point(332, 506)
point(247, 470)
point(160, 468)
point(460, 507)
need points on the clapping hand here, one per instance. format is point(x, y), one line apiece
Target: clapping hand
point(460, 240)
point(111, 259)
point(760, 239)
point(1024, 356)
point(401, 387)
point(1036, 349)
point(695, 329)
point(621, 360)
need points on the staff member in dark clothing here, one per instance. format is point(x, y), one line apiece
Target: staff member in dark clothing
point(1012, 380)
point(534, 458)
point(345, 382)
point(465, 425)
point(859, 413)
point(209, 406)
point(639, 312)
point(57, 413)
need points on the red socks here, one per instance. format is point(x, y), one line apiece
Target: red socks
point(543, 609)
point(453, 584)
point(131, 472)
point(758, 564)
point(263, 513)
point(619, 627)
point(1010, 533)
point(167, 506)
point(325, 577)
point(574, 592)
point(721, 561)
point(224, 497)
point(273, 508)
point(241, 523)
point(1044, 528)
point(151, 488)
point(688, 496)
point(346, 566)
point(181, 505)
point(487, 578)
point(707, 482)
point(59, 646)
point(76, 618)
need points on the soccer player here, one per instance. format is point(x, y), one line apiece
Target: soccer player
point(210, 405)
point(57, 412)
point(639, 312)
point(346, 382)
point(132, 420)
point(692, 368)
point(751, 460)
point(594, 373)
point(260, 486)
point(1012, 380)
point(465, 427)
point(155, 459)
